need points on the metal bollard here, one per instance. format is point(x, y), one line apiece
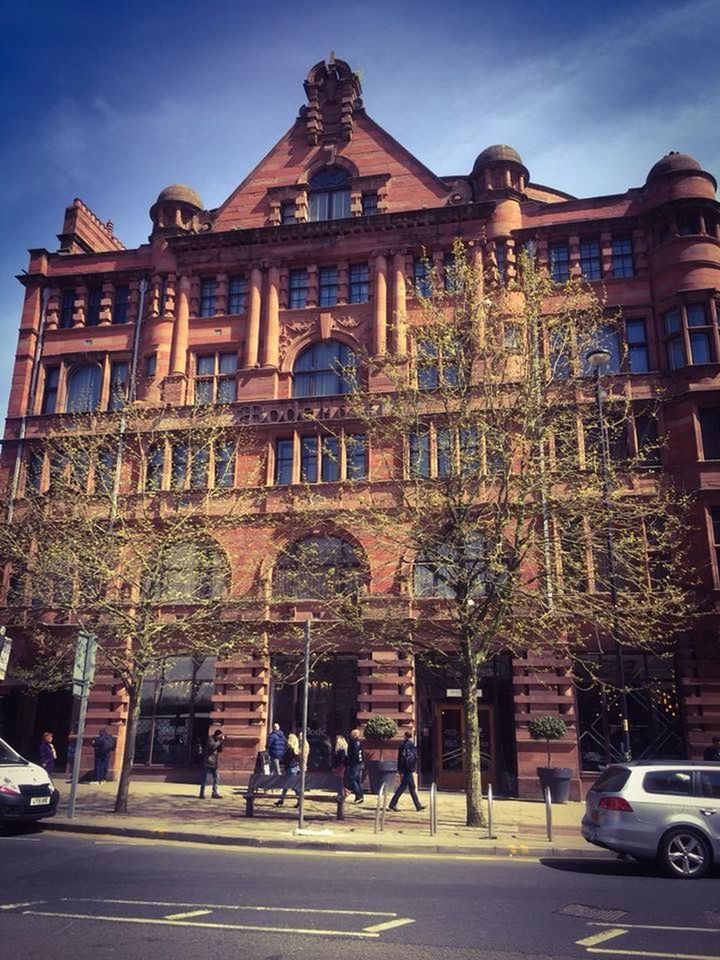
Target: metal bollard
point(491, 830)
point(548, 814)
point(433, 809)
point(380, 808)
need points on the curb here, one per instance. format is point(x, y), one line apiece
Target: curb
point(517, 851)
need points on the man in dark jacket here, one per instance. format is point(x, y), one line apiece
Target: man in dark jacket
point(276, 747)
point(713, 752)
point(407, 765)
point(355, 761)
point(210, 763)
point(103, 746)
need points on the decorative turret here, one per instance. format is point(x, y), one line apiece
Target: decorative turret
point(499, 167)
point(333, 93)
point(177, 210)
point(678, 175)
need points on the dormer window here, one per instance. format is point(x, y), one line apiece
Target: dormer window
point(330, 195)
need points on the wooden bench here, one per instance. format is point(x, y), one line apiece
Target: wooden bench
point(319, 785)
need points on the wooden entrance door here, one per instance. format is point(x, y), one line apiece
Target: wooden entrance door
point(449, 734)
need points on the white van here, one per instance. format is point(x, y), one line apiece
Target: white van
point(26, 790)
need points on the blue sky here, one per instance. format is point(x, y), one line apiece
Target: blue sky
point(112, 101)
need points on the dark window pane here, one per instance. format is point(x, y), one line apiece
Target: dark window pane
point(420, 454)
point(208, 298)
point(421, 280)
point(203, 391)
point(356, 456)
point(696, 315)
point(638, 355)
point(287, 212)
point(327, 291)
point(67, 309)
point(590, 263)
point(92, 317)
point(675, 353)
point(154, 468)
point(622, 257)
point(710, 432)
point(559, 262)
point(283, 461)
point(120, 308)
point(237, 295)
point(199, 469)
point(673, 782)
point(83, 392)
point(52, 378)
point(151, 365)
point(179, 466)
point(226, 390)
point(700, 347)
point(369, 204)
point(298, 289)
point(225, 465)
point(324, 369)
point(359, 283)
point(308, 460)
point(330, 459)
point(118, 385)
point(646, 430)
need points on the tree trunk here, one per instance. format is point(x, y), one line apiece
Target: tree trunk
point(471, 746)
point(134, 701)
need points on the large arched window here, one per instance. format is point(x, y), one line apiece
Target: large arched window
point(330, 195)
point(318, 568)
point(186, 572)
point(83, 388)
point(323, 370)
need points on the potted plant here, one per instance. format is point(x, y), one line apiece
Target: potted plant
point(382, 730)
point(549, 727)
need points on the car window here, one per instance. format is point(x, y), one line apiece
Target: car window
point(612, 780)
point(675, 782)
point(8, 755)
point(710, 783)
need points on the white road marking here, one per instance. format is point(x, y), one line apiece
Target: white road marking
point(657, 956)
point(184, 916)
point(654, 926)
point(229, 906)
point(16, 906)
point(205, 925)
point(388, 925)
point(601, 937)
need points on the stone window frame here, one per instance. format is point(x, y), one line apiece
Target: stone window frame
point(298, 193)
point(347, 467)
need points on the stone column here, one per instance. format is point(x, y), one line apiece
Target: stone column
point(272, 332)
point(253, 333)
point(178, 358)
point(380, 306)
point(399, 305)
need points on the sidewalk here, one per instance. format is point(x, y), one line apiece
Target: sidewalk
point(173, 811)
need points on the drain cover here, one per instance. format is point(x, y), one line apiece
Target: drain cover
point(592, 913)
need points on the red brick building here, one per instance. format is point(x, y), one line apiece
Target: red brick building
point(254, 304)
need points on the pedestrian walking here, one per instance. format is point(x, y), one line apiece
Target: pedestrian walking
point(276, 746)
point(103, 745)
point(211, 753)
point(407, 765)
point(48, 753)
point(356, 761)
point(291, 762)
point(713, 752)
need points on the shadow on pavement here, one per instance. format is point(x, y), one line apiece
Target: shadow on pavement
point(611, 867)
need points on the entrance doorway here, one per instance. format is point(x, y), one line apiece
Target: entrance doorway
point(449, 728)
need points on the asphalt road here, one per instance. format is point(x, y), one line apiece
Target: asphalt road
point(82, 898)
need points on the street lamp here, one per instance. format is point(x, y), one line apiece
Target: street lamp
point(597, 359)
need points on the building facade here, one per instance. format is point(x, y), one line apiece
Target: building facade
point(259, 303)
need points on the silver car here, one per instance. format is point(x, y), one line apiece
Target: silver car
point(668, 812)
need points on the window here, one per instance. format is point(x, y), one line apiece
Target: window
point(622, 257)
point(327, 287)
point(607, 339)
point(187, 572)
point(559, 262)
point(200, 468)
point(287, 212)
point(672, 782)
point(421, 280)
point(369, 204)
point(439, 367)
point(638, 354)
point(154, 465)
point(215, 378)
point(119, 381)
point(590, 263)
point(298, 289)
point(67, 309)
point(330, 195)
point(327, 460)
point(34, 475)
point(672, 322)
point(715, 521)
point(710, 783)
point(151, 365)
point(449, 569)
point(50, 390)
point(122, 302)
point(359, 283)
point(710, 432)
point(105, 470)
point(501, 262)
point(83, 391)
point(92, 317)
point(318, 568)
point(700, 339)
point(179, 466)
point(324, 370)
point(208, 298)
point(648, 447)
point(420, 454)
point(237, 295)
point(225, 465)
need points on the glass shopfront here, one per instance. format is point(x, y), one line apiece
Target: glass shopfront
point(175, 712)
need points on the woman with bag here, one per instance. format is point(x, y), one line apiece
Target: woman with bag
point(291, 762)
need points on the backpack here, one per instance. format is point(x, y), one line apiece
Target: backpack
point(409, 757)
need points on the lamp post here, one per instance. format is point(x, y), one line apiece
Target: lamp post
point(306, 689)
point(597, 359)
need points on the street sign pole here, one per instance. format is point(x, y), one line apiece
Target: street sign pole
point(83, 675)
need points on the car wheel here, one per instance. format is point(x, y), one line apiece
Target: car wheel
point(685, 854)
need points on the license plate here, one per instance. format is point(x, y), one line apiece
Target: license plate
point(39, 801)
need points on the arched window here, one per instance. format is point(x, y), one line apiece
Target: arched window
point(330, 195)
point(318, 568)
point(323, 370)
point(186, 572)
point(83, 389)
